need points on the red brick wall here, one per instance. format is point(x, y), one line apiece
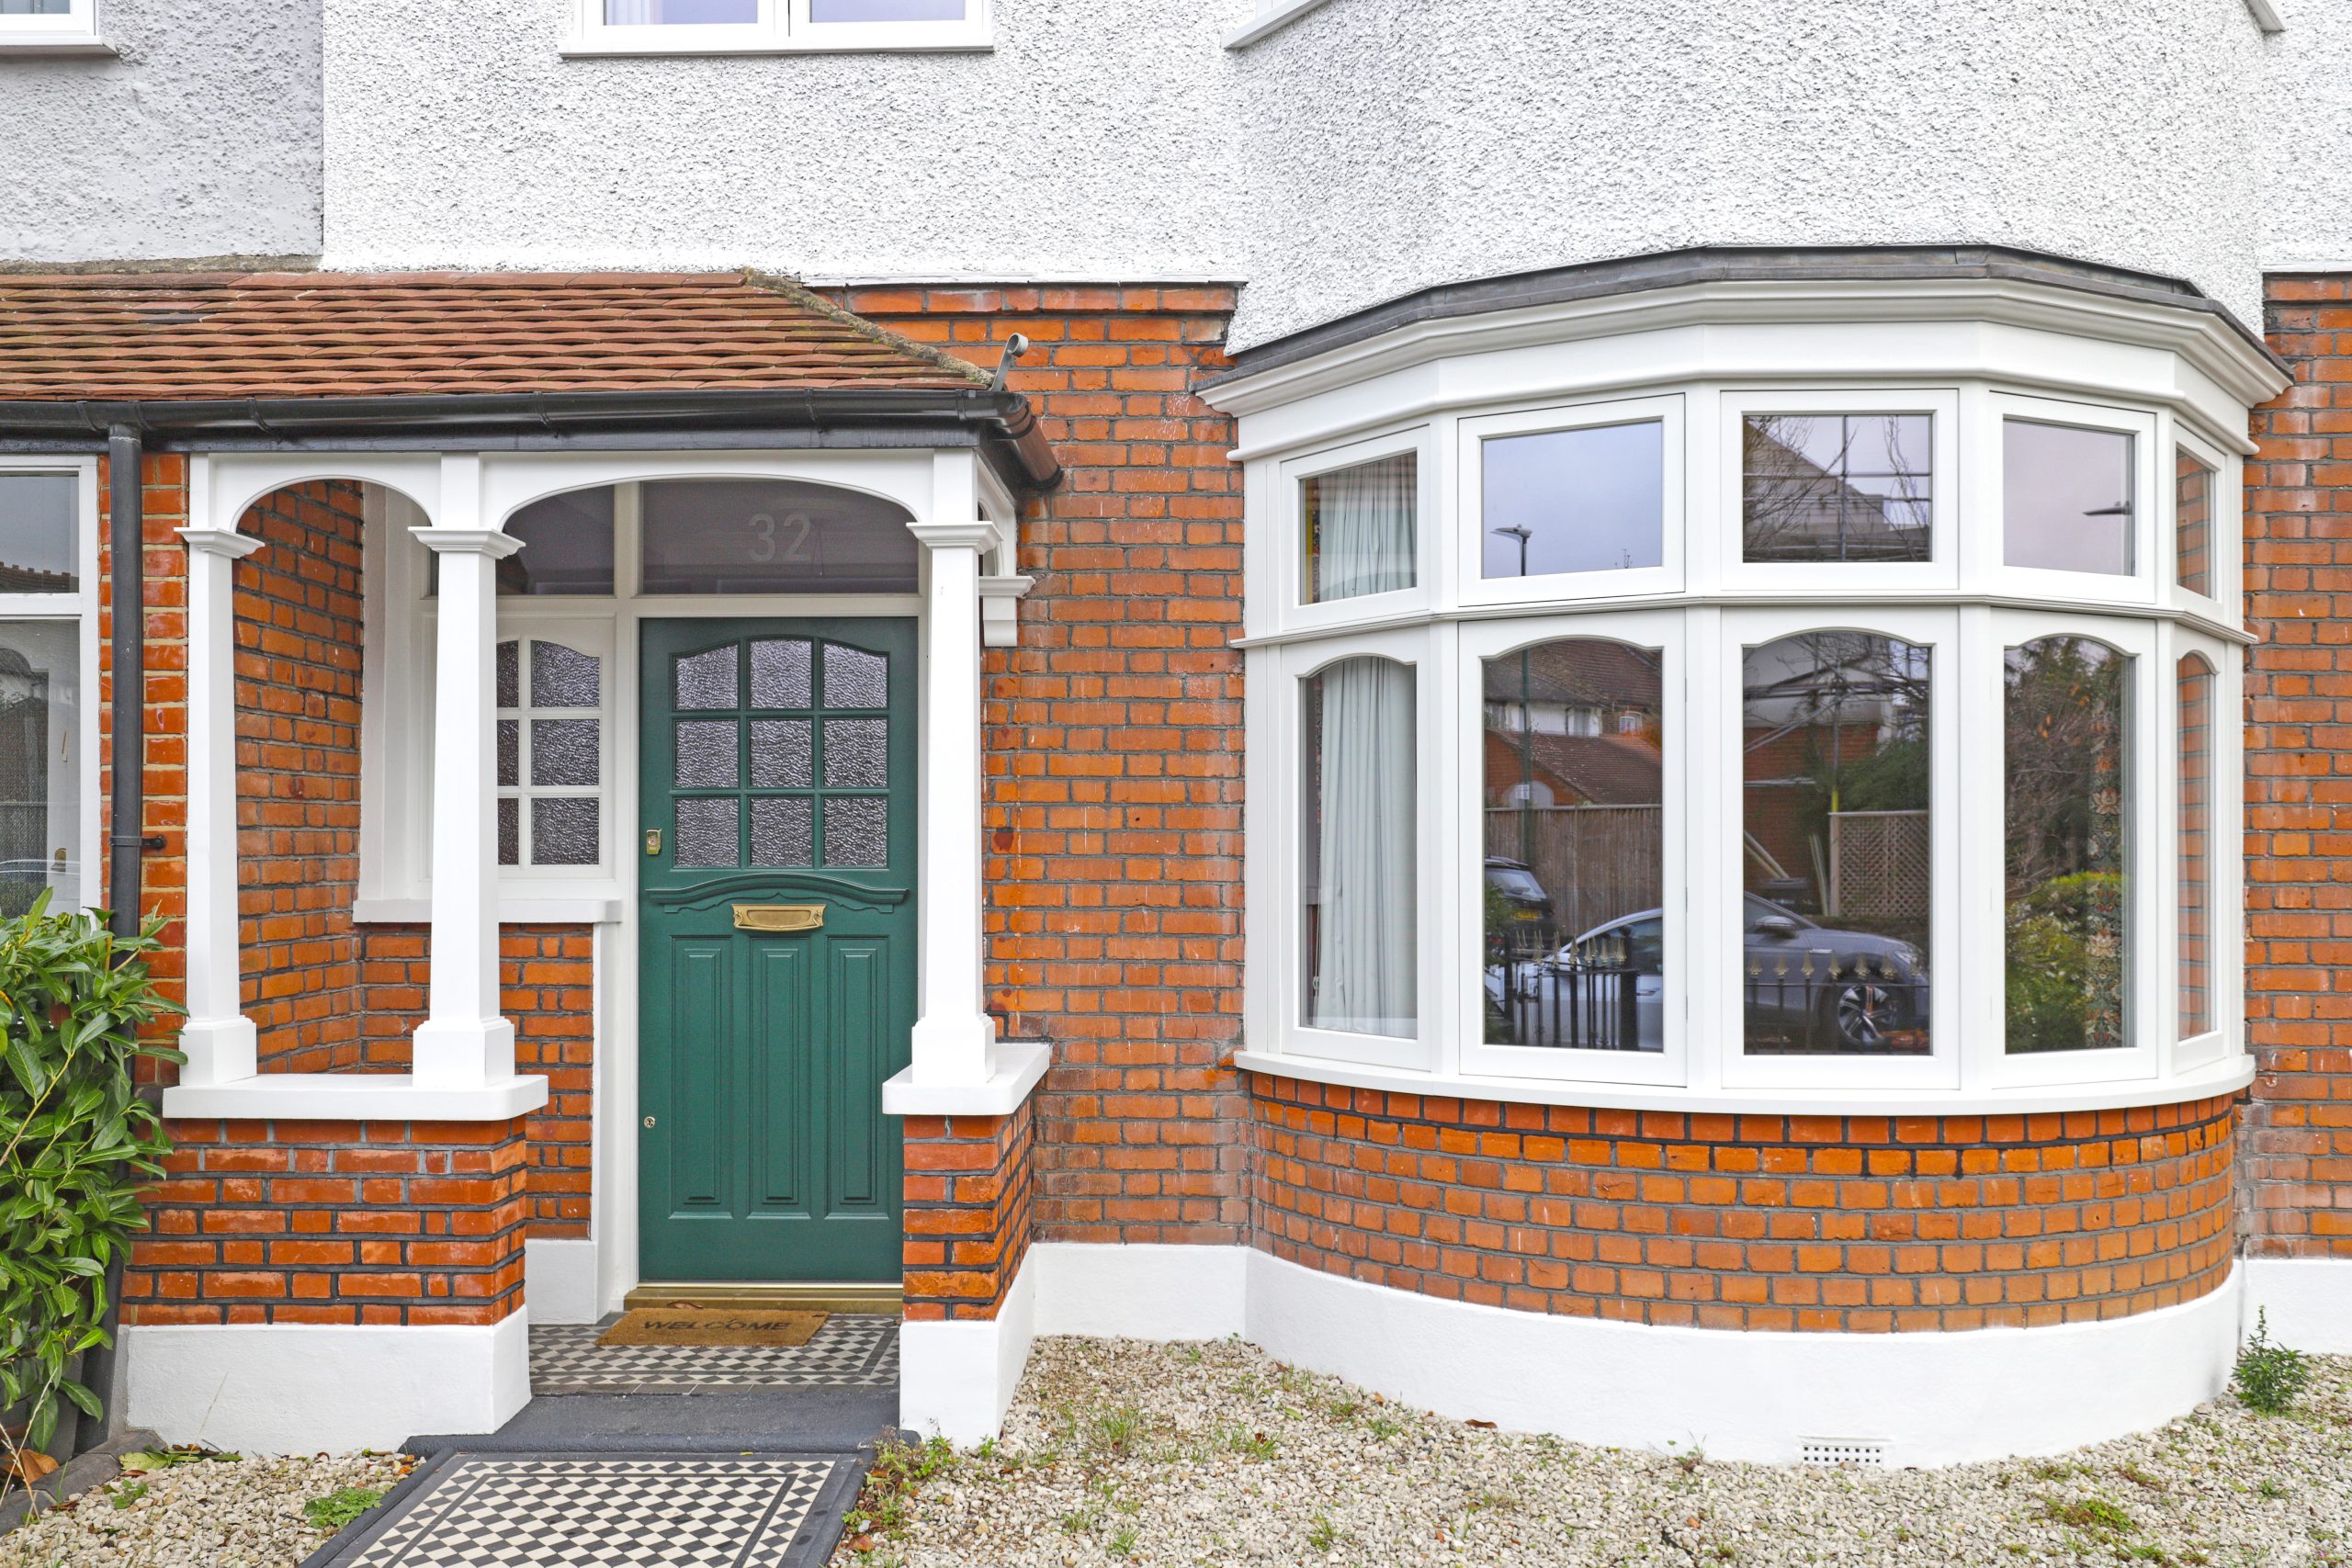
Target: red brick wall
point(299, 649)
point(2298, 1135)
point(1854, 1223)
point(332, 1222)
point(1113, 756)
point(968, 1208)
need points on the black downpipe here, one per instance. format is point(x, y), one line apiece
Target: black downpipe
point(126, 818)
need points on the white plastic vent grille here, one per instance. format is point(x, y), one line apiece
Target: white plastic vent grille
point(1842, 1451)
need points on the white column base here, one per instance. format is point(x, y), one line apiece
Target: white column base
point(559, 1280)
point(953, 1049)
point(300, 1388)
point(956, 1379)
point(462, 1056)
point(2309, 1300)
point(218, 1050)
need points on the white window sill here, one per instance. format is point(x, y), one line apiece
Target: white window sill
point(510, 911)
point(2226, 1076)
point(582, 47)
point(352, 1097)
point(1273, 19)
point(1020, 1065)
point(28, 45)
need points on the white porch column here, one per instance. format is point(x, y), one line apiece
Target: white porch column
point(217, 1037)
point(464, 1042)
point(955, 1038)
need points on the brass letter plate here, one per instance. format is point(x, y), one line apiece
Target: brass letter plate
point(779, 917)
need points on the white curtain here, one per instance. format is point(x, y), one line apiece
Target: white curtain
point(1364, 528)
point(1365, 954)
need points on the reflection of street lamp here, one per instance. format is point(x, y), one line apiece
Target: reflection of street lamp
point(1522, 533)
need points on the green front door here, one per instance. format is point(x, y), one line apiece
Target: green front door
point(779, 955)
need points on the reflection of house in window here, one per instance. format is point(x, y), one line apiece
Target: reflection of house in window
point(1836, 488)
point(23, 782)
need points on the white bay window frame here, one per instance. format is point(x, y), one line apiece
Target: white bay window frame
point(2225, 522)
point(79, 610)
point(1297, 609)
point(1982, 547)
point(1940, 570)
point(1470, 532)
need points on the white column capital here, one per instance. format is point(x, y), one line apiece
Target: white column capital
point(973, 535)
point(225, 542)
point(469, 541)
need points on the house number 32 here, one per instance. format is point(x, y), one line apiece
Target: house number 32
point(794, 528)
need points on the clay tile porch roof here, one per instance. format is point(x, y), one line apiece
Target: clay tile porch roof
point(193, 336)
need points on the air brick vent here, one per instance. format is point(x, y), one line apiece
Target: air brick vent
point(1869, 1451)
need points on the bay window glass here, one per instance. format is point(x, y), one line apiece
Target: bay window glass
point(1358, 848)
point(680, 13)
point(1835, 487)
point(2196, 846)
point(886, 10)
point(2193, 486)
point(2067, 905)
point(1575, 864)
point(2066, 497)
point(40, 765)
point(40, 550)
point(1586, 499)
point(1359, 523)
point(1836, 846)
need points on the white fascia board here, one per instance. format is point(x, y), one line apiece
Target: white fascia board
point(1019, 1066)
point(1272, 18)
point(353, 1097)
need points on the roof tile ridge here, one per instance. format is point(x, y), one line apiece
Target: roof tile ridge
point(799, 294)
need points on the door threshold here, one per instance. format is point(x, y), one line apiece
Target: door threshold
point(843, 1298)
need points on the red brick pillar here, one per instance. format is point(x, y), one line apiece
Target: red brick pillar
point(967, 1192)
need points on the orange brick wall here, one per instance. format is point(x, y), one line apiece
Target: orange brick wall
point(1855, 1224)
point(968, 1208)
point(332, 1222)
point(1114, 755)
point(2297, 1176)
point(298, 649)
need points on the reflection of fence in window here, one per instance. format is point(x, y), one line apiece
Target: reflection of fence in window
point(1596, 862)
point(1879, 863)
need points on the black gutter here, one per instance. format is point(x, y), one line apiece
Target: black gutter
point(1001, 422)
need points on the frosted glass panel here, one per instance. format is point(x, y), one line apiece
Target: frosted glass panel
point(707, 754)
point(708, 680)
point(858, 753)
point(510, 676)
point(563, 751)
point(564, 677)
point(780, 674)
point(781, 754)
point(510, 832)
point(510, 752)
point(781, 833)
point(706, 833)
point(858, 831)
point(563, 831)
point(567, 545)
point(773, 536)
point(855, 678)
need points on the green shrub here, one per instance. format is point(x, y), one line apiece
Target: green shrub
point(75, 1142)
point(2270, 1378)
point(338, 1508)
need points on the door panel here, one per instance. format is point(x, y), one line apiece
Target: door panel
point(777, 911)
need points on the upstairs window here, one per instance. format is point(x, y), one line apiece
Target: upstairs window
point(775, 27)
point(36, 24)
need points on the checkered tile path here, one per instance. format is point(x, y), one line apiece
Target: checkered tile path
point(594, 1511)
point(851, 1350)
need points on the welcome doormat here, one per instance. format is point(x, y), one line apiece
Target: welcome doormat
point(689, 1325)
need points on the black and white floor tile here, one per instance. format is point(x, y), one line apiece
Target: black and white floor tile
point(473, 1510)
point(851, 1350)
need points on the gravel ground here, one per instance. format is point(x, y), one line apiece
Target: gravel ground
point(1126, 1452)
point(244, 1513)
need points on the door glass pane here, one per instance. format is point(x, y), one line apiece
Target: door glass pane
point(1575, 847)
point(858, 753)
point(564, 829)
point(1839, 846)
point(708, 680)
point(706, 833)
point(563, 751)
point(2066, 501)
point(774, 536)
point(780, 674)
point(39, 537)
point(510, 830)
point(2192, 487)
point(855, 678)
point(781, 754)
point(679, 13)
point(2196, 831)
point(1361, 900)
point(1590, 499)
point(2068, 904)
point(707, 754)
point(858, 831)
point(781, 833)
point(40, 765)
point(567, 546)
point(510, 752)
point(509, 666)
point(1360, 528)
point(564, 677)
point(1835, 487)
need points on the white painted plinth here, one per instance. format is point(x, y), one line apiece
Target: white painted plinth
point(957, 1380)
point(2309, 1300)
point(300, 1388)
point(559, 1280)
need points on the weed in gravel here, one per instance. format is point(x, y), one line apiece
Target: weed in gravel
point(2054, 1470)
point(127, 1494)
point(1116, 1431)
point(1248, 1445)
point(2271, 1489)
point(885, 1503)
point(1325, 1535)
point(1078, 1521)
point(339, 1507)
point(1380, 1426)
point(2089, 1513)
point(2129, 1470)
point(1121, 1542)
point(2270, 1378)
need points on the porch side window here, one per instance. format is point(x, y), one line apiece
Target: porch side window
point(1360, 842)
point(550, 754)
point(42, 769)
